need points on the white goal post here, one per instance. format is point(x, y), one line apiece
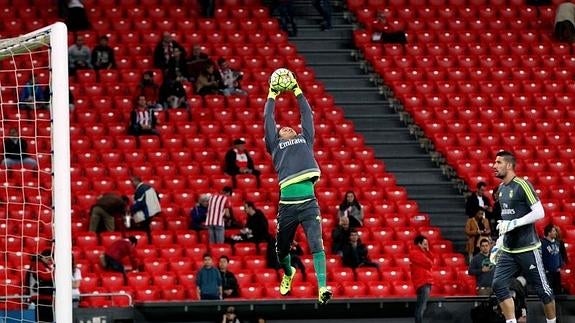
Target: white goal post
point(19, 56)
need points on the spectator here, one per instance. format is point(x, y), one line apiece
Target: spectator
point(208, 81)
point(199, 213)
point(230, 316)
point(104, 212)
point(172, 92)
point(476, 229)
point(295, 253)
point(177, 63)
point(71, 101)
point(354, 252)
point(478, 200)
point(113, 257)
point(103, 55)
point(196, 62)
point(76, 282)
point(482, 268)
point(495, 215)
point(384, 32)
point(77, 17)
point(142, 119)
point(150, 90)
point(209, 281)
point(256, 228)
point(79, 55)
point(146, 205)
point(421, 268)
point(565, 22)
point(552, 258)
point(238, 161)
point(340, 236)
point(351, 209)
point(323, 7)
point(165, 50)
point(286, 11)
point(230, 79)
point(230, 286)
point(218, 208)
point(33, 95)
point(208, 8)
point(40, 285)
point(15, 151)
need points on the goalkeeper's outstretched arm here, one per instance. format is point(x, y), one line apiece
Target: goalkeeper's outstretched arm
point(270, 129)
point(308, 130)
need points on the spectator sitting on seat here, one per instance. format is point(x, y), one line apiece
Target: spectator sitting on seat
point(354, 253)
point(165, 50)
point(209, 281)
point(230, 286)
point(230, 316)
point(256, 228)
point(230, 84)
point(15, 149)
point(382, 31)
point(482, 268)
point(177, 64)
point(476, 229)
point(478, 200)
point(79, 55)
point(103, 55)
point(142, 119)
point(33, 95)
point(199, 213)
point(565, 22)
point(238, 161)
point(150, 90)
point(113, 257)
point(340, 236)
point(351, 209)
point(104, 212)
point(208, 82)
point(196, 62)
point(172, 92)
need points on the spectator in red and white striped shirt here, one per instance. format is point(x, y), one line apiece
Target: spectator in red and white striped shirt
point(142, 119)
point(218, 209)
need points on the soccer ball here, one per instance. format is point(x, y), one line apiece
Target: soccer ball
point(281, 79)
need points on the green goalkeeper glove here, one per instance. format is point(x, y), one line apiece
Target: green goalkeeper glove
point(272, 93)
point(294, 86)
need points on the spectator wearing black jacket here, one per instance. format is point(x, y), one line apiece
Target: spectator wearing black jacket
point(164, 51)
point(230, 285)
point(478, 200)
point(355, 253)
point(103, 55)
point(340, 235)
point(238, 161)
point(256, 229)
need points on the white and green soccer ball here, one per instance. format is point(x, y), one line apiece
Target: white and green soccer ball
point(281, 80)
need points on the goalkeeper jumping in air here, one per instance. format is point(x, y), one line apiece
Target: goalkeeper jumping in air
point(294, 161)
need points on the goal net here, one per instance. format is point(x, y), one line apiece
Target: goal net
point(35, 242)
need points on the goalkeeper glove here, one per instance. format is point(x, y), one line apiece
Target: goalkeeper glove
point(272, 93)
point(294, 86)
point(505, 226)
point(496, 250)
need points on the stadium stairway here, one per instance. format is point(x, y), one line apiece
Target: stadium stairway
point(375, 116)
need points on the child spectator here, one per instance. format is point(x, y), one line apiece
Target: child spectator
point(103, 55)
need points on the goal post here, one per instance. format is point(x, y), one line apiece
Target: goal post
point(44, 207)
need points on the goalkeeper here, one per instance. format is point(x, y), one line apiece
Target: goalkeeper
point(518, 248)
point(294, 161)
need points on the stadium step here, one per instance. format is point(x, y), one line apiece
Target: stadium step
point(374, 116)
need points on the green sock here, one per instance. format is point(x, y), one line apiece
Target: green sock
point(286, 265)
point(319, 265)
